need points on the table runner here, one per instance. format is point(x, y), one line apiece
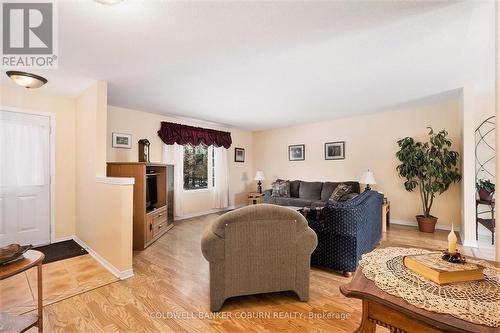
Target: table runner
point(474, 301)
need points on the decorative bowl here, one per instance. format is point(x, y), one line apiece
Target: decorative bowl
point(12, 252)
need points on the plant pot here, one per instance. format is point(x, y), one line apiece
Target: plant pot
point(426, 224)
point(485, 195)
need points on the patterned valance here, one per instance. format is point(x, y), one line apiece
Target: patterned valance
point(171, 133)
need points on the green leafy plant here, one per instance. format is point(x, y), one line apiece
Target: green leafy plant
point(429, 166)
point(486, 185)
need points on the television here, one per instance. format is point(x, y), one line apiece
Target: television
point(151, 193)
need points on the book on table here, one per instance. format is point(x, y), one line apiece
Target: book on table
point(432, 267)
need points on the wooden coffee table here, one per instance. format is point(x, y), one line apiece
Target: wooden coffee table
point(381, 308)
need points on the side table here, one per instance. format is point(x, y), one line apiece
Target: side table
point(255, 198)
point(13, 323)
point(386, 215)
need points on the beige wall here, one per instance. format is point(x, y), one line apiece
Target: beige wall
point(497, 115)
point(370, 144)
point(475, 108)
point(144, 125)
point(64, 110)
point(103, 210)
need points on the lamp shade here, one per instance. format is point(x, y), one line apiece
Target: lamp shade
point(368, 178)
point(259, 175)
point(26, 80)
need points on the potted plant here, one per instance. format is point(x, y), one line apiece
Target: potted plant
point(429, 166)
point(485, 189)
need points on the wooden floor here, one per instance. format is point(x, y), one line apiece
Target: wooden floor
point(61, 279)
point(169, 293)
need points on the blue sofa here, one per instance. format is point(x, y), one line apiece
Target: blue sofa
point(346, 231)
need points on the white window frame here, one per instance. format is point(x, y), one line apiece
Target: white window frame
point(209, 173)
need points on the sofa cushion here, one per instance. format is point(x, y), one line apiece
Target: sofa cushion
point(294, 188)
point(329, 187)
point(281, 201)
point(299, 202)
point(327, 190)
point(310, 190)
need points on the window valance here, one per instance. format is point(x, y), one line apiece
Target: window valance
point(171, 133)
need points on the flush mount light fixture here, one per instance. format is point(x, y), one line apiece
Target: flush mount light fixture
point(109, 2)
point(27, 80)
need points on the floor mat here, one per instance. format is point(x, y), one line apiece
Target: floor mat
point(61, 250)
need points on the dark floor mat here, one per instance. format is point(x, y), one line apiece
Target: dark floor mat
point(61, 250)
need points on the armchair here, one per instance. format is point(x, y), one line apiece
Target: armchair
point(347, 230)
point(258, 249)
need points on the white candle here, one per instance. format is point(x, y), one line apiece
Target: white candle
point(452, 241)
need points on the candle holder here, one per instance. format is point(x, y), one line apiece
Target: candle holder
point(455, 258)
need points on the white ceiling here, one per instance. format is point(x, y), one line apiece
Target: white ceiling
point(260, 65)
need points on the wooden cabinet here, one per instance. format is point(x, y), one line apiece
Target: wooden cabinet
point(150, 222)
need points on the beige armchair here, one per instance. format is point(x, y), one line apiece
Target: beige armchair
point(258, 249)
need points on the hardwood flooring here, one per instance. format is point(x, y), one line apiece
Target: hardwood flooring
point(61, 279)
point(170, 293)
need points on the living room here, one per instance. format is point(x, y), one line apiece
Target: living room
point(141, 157)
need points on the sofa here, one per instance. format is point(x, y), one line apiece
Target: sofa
point(308, 194)
point(346, 231)
point(258, 249)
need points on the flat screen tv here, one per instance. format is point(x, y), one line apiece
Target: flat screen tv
point(151, 193)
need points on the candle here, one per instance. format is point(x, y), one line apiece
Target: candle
point(452, 241)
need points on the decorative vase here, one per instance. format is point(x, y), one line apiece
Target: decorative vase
point(426, 224)
point(485, 195)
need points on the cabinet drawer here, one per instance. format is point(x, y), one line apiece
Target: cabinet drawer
point(158, 229)
point(160, 219)
point(162, 211)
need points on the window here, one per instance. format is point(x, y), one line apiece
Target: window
point(198, 163)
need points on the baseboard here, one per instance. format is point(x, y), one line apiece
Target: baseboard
point(415, 224)
point(197, 214)
point(63, 239)
point(122, 275)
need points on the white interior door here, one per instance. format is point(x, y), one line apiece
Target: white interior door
point(24, 178)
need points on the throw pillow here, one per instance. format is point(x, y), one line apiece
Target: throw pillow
point(275, 187)
point(285, 189)
point(281, 188)
point(341, 190)
point(348, 196)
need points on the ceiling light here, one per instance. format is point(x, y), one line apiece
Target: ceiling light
point(109, 2)
point(27, 80)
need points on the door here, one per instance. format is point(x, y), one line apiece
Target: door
point(24, 178)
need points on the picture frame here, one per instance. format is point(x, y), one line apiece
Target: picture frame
point(121, 140)
point(239, 155)
point(335, 150)
point(297, 152)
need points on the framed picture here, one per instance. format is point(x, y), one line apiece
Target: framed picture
point(296, 152)
point(239, 154)
point(121, 140)
point(335, 150)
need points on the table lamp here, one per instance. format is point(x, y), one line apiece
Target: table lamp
point(368, 178)
point(259, 177)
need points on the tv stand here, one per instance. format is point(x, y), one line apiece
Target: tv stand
point(149, 225)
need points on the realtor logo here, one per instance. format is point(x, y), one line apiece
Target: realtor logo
point(28, 35)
